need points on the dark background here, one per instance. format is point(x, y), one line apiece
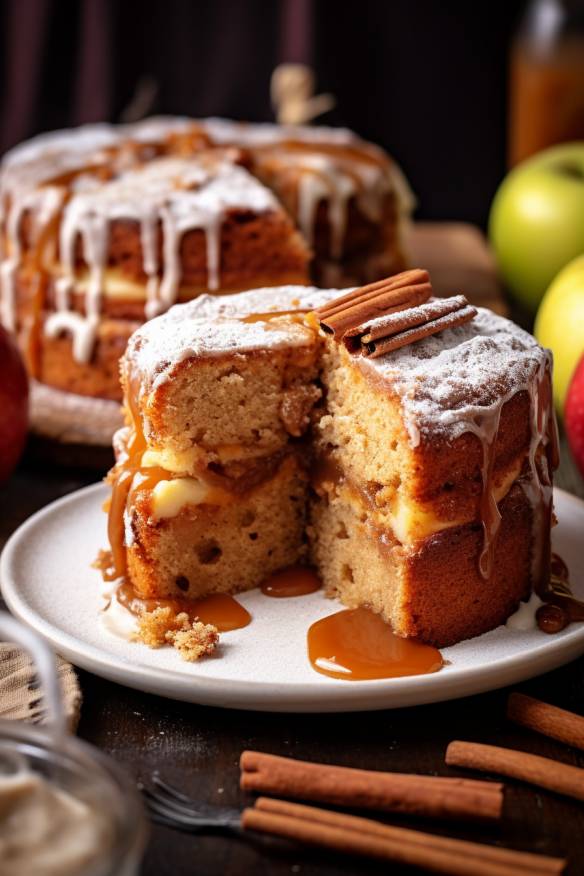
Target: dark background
point(425, 79)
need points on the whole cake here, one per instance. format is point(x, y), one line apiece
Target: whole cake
point(403, 445)
point(103, 227)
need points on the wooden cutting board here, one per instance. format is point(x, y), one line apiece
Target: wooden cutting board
point(459, 260)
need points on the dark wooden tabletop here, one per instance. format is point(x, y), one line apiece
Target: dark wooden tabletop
point(198, 748)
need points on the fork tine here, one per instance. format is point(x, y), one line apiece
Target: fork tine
point(171, 791)
point(181, 812)
point(154, 806)
point(170, 804)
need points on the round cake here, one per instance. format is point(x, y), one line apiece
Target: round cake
point(413, 469)
point(104, 227)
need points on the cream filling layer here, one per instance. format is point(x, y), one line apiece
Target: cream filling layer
point(170, 497)
point(187, 461)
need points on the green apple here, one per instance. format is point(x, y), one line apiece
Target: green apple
point(559, 325)
point(536, 224)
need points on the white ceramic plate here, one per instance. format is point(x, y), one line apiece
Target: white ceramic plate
point(47, 581)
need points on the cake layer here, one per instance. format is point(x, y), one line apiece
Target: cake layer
point(52, 359)
point(217, 548)
point(408, 519)
point(435, 591)
point(417, 487)
point(249, 378)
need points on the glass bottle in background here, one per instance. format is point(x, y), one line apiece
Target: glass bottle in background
point(547, 78)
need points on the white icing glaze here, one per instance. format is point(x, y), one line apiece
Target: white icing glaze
point(227, 132)
point(523, 619)
point(116, 620)
point(446, 380)
point(40, 176)
point(183, 195)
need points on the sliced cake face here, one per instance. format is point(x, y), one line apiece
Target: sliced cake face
point(220, 393)
point(426, 471)
point(234, 375)
point(103, 227)
point(426, 461)
point(412, 428)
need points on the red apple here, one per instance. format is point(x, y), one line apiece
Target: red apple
point(13, 404)
point(574, 415)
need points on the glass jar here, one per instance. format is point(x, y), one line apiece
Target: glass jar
point(63, 774)
point(547, 78)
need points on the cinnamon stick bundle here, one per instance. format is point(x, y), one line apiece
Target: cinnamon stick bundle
point(549, 720)
point(362, 836)
point(431, 796)
point(542, 771)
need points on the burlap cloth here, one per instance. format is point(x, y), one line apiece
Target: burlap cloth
point(20, 697)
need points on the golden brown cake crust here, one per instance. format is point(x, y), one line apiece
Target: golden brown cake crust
point(433, 591)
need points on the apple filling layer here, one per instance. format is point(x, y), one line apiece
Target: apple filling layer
point(400, 516)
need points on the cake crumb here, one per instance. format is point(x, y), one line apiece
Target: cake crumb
point(197, 641)
point(164, 626)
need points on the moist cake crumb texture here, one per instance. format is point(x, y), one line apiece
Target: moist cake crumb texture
point(192, 639)
point(418, 483)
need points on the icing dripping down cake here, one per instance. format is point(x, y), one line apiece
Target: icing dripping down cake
point(103, 227)
point(418, 482)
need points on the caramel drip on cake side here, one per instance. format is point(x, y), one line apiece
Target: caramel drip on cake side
point(123, 477)
point(537, 484)
point(543, 459)
point(486, 427)
point(560, 606)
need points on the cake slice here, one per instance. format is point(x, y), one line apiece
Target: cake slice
point(219, 394)
point(411, 465)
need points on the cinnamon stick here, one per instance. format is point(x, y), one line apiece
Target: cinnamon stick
point(546, 719)
point(542, 771)
point(379, 347)
point(349, 833)
point(408, 289)
point(413, 277)
point(434, 797)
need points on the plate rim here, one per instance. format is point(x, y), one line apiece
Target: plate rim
point(333, 695)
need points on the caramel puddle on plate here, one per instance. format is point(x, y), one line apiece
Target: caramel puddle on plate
point(219, 609)
point(356, 644)
point(293, 581)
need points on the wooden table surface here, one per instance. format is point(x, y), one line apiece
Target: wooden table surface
point(197, 748)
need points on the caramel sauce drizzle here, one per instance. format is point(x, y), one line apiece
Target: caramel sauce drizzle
point(293, 581)
point(356, 644)
point(561, 606)
point(219, 609)
point(269, 315)
point(123, 478)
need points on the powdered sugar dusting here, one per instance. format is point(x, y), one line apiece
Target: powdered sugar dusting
point(432, 309)
point(214, 326)
point(446, 380)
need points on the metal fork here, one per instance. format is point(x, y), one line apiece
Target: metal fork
point(168, 806)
